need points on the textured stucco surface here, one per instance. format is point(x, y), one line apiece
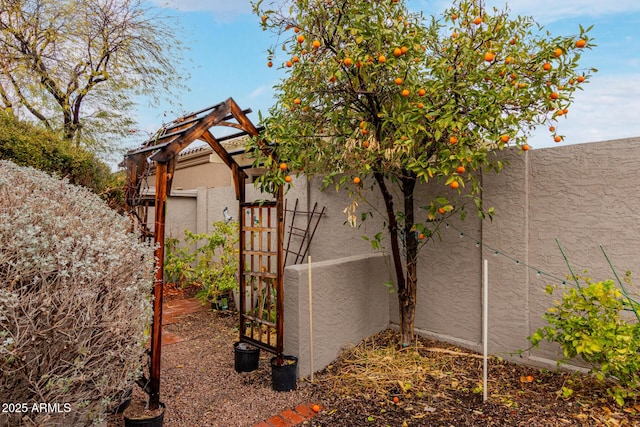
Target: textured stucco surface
point(582, 195)
point(349, 303)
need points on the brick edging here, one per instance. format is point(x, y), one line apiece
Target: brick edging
point(289, 417)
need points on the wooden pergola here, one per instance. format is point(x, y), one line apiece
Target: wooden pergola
point(261, 236)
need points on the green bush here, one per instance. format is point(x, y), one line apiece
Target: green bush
point(206, 260)
point(589, 323)
point(28, 145)
point(75, 303)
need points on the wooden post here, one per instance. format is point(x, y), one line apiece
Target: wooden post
point(156, 327)
point(280, 278)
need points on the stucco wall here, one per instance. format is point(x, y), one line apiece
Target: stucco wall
point(348, 305)
point(583, 195)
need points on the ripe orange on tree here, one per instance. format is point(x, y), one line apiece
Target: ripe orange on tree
point(546, 66)
point(297, 101)
point(269, 64)
point(295, 59)
point(296, 30)
point(453, 140)
point(398, 81)
point(554, 95)
point(489, 56)
point(504, 138)
point(422, 92)
point(316, 408)
point(289, 64)
point(557, 138)
point(552, 128)
point(525, 147)
point(420, 105)
point(356, 180)
point(264, 18)
point(348, 61)
point(366, 143)
point(454, 16)
point(454, 185)
point(316, 44)
point(404, 50)
point(283, 166)
point(581, 43)
point(557, 52)
point(580, 79)
point(397, 52)
point(287, 178)
point(405, 92)
point(441, 211)
point(300, 39)
point(460, 169)
point(382, 59)
point(477, 21)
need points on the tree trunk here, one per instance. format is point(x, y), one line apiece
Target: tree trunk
point(406, 284)
point(407, 301)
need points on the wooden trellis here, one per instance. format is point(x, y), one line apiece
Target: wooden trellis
point(163, 149)
point(261, 285)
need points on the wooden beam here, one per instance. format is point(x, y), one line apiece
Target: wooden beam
point(193, 133)
point(156, 327)
point(248, 126)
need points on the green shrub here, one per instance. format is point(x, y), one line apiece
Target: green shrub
point(206, 260)
point(589, 323)
point(74, 298)
point(28, 145)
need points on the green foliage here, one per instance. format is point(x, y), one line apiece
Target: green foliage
point(28, 145)
point(374, 92)
point(589, 323)
point(208, 261)
point(341, 110)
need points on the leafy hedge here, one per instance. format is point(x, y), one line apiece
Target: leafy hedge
point(28, 145)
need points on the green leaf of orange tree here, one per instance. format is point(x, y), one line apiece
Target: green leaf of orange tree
point(392, 97)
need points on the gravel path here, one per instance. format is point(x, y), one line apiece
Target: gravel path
point(200, 386)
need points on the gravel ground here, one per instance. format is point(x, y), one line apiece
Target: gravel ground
point(200, 386)
point(372, 385)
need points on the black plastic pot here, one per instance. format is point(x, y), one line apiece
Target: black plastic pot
point(220, 304)
point(246, 357)
point(121, 402)
point(283, 377)
point(146, 422)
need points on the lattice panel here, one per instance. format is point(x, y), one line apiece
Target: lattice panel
point(260, 283)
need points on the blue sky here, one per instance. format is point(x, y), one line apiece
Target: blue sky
point(228, 59)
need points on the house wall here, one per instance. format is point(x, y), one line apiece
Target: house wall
point(583, 195)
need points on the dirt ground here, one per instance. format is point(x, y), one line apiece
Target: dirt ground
point(373, 384)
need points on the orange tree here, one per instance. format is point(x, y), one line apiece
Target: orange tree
point(374, 90)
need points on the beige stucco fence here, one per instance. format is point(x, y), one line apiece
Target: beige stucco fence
point(582, 195)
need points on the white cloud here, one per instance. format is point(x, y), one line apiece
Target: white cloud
point(257, 92)
point(543, 11)
point(220, 8)
point(606, 109)
point(553, 10)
